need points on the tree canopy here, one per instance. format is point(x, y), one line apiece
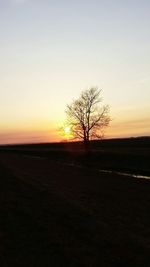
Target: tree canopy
point(87, 117)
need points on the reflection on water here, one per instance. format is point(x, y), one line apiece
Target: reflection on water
point(74, 164)
point(127, 174)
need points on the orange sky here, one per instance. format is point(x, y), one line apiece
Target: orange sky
point(116, 129)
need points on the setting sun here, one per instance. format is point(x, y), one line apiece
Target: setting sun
point(67, 130)
point(67, 133)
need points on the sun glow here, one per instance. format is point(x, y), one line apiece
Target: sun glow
point(67, 130)
point(67, 133)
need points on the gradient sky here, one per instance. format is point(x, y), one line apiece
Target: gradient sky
point(51, 50)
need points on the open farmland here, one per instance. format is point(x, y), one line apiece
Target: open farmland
point(58, 214)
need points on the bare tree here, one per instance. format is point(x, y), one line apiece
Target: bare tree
point(86, 117)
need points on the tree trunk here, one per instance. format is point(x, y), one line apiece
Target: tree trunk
point(86, 146)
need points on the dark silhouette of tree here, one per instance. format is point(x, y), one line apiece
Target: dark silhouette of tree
point(87, 117)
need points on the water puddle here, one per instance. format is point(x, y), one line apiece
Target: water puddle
point(127, 174)
point(74, 164)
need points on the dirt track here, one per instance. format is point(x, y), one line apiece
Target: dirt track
point(58, 215)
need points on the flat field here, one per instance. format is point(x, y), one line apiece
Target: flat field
point(54, 213)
